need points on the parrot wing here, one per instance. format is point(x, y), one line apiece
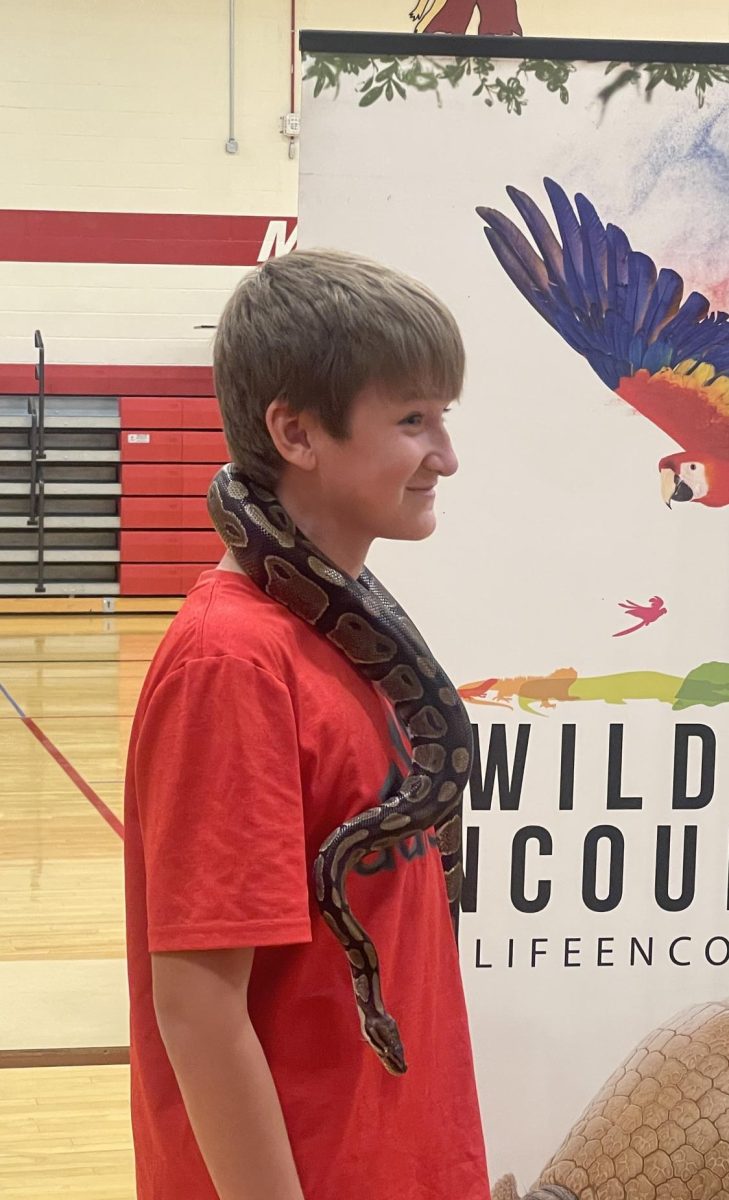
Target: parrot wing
point(667, 357)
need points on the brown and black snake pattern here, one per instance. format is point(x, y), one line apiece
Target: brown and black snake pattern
point(364, 622)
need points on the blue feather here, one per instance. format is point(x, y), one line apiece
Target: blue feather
point(510, 235)
point(569, 231)
point(562, 319)
point(606, 300)
point(609, 369)
point(518, 270)
point(681, 332)
point(665, 302)
point(594, 249)
point(711, 334)
point(641, 282)
point(540, 229)
point(618, 250)
point(618, 335)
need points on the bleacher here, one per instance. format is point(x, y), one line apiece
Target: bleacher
point(105, 495)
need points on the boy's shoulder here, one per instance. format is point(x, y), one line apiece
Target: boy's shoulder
point(226, 614)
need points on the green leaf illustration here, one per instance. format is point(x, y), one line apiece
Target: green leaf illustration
point(678, 76)
point(372, 95)
point(707, 684)
point(394, 77)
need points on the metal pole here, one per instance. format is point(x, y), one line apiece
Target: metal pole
point(40, 585)
point(292, 105)
point(32, 499)
point(40, 374)
point(231, 145)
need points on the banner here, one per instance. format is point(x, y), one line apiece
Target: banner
point(569, 202)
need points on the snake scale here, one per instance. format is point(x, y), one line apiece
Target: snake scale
point(376, 636)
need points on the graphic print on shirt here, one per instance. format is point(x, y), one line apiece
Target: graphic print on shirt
point(410, 848)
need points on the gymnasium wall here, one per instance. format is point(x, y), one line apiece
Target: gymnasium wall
point(121, 111)
point(122, 108)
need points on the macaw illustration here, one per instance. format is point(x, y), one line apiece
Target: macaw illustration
point(645, 613)
point(454, 16)
point(668, 359)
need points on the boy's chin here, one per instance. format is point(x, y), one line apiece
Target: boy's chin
point(412, 531)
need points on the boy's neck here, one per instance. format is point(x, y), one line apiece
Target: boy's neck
point(323, 527)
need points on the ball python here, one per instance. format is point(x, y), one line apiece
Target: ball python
point(375, 635)
point(659, 1127)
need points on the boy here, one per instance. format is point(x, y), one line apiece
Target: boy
point(254, 737)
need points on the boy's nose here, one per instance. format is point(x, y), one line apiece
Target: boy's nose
point(443, 459)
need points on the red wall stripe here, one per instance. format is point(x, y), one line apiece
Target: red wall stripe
point(107, 380)
point(35, 235)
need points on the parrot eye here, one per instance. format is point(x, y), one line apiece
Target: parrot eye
point(693, 466)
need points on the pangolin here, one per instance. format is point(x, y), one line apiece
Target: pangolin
point(659, 1127)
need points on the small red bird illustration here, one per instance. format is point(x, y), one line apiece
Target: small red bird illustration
point(646, 613)
point(666, 357)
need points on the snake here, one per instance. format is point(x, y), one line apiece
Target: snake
point(376, 636)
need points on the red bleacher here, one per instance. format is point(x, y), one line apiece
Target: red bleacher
point(169, 545)
point(167, 479)
point(169, 412)
point(159, 579)
point(164, 512)
point(171, 446)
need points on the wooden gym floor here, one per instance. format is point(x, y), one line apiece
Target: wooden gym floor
point(68, 688)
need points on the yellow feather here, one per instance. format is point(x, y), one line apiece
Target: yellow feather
point(682, 368)
point(704, 375)
point(718, 395)
point(700, 377)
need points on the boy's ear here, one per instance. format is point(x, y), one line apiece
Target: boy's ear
point(289, 432)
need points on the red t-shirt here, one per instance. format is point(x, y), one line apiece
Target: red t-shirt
point(253, 739)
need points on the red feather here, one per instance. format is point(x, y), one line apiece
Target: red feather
point(685, 413)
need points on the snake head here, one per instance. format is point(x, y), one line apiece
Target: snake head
point(383, 1035)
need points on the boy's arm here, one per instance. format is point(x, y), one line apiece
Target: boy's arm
point(222, 1073)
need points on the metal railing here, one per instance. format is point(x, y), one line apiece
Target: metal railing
point(37, 505)
point(40, 374)
point(36, 517)
point(33, 496)
point(40, 581)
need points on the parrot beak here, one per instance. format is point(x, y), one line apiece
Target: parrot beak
point(674, 488)
point(682, 491)
point(667, 485)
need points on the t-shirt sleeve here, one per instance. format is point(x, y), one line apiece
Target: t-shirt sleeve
point(220, 807)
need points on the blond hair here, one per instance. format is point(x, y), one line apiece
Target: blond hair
point(315, 327)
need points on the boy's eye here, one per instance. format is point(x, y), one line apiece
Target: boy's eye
point(417, 418)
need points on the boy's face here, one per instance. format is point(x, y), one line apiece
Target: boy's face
point(380, 482)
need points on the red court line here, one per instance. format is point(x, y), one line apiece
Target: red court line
point(104, 810)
